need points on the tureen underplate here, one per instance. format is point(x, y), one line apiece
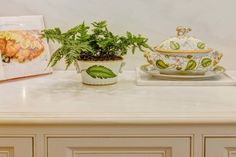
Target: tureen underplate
point(149, 69)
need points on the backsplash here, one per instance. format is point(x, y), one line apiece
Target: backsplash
point(212, 21)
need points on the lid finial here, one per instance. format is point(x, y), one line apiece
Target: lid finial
point(182, 31)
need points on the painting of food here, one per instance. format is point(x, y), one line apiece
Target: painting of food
point(23, 52)
point(20, 46)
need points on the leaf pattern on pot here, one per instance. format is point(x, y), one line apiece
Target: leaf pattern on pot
point(161, 64)
point(206, 62)
point(99, 71)
point(174, 45)
point(201, 45)
point(191, 65)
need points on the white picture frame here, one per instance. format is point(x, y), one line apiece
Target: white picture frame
point(22, 52)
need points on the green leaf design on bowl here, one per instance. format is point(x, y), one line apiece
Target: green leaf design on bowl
point(99, 71)
point(201, 45)
point(161, 64)
point(189, 56)
point(174, 45)
point(206, 62)
point(191, 65)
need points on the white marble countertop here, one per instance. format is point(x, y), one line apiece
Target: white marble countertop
point(60, 98)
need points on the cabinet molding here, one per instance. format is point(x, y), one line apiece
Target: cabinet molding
point(219, 145)
point(17, 146)
point(119, 146)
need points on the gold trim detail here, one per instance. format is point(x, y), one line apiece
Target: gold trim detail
point(182, 31)
point(182, 51)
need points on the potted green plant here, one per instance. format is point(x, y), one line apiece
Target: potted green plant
point(96, 51)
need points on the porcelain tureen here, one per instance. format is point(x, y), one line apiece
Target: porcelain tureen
point(183, 54)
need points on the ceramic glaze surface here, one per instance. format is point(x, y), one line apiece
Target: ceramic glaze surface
point(184, 63)
point(183, 44)
point(214, 74)
point(100, 72)
point(183, 54)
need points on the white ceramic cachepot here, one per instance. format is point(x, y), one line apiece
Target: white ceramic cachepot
point(183, 54)
point(100, 72)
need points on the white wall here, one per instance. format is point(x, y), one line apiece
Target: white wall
point(213, 21)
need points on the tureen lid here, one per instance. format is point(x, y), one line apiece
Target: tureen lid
point(183, 43)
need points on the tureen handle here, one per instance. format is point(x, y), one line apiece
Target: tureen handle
point(146, 56)
point(182, 31)
point(216, 57)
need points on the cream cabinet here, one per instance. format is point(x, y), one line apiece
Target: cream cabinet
point(65, 118)
point(119, 147)
point(16, 147)
point(220, 146)
point(118, 140)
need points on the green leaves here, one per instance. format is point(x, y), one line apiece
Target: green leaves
point(73, 42)
point(56, 56)
point(191, 65)
point(95, 41)
point(52, 34)
point(99, 71)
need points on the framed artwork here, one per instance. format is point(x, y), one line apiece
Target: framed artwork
point(22, 52)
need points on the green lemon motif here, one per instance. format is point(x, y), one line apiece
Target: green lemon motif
point(174, 45)
point(191, 65)
point(206, 62)
point(161, 64)
point(201, 45)
point(99, 71)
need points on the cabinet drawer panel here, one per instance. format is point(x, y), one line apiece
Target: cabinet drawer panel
point(119, 147)
point(16, 147)
point(220, 147)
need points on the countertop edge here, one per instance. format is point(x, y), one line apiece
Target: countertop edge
point(109, 121)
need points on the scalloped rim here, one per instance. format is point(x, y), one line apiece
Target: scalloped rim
point(212, 73)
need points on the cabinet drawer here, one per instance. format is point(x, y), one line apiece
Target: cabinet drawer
point(220, 146)
point(16, 147)
point(119, 146)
